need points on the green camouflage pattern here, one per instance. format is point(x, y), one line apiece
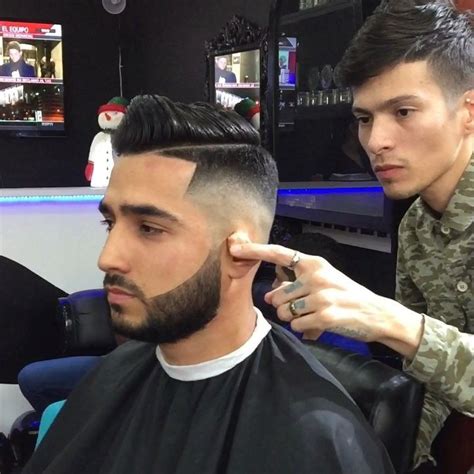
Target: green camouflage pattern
point(435, 276)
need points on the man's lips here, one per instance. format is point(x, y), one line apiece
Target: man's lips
point(387, 171)
point(117, 295)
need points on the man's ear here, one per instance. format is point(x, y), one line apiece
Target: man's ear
point(469, 105)
point(236, 267)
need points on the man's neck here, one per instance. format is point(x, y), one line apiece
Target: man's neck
point(440, 192)
point(229, 330)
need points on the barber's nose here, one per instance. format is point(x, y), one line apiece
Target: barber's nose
point(114, 256)
point(377, 138)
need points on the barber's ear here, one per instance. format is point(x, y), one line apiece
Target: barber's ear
point(238, 267)
point(469, 104)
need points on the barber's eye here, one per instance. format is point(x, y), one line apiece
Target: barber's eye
point(362, 120)
point(108, 224)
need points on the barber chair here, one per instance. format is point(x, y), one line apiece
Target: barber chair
point(390, 400)
point(84, 328)
point(84, 321)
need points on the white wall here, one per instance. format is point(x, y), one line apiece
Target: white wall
point(12, 405)
point(60, 241)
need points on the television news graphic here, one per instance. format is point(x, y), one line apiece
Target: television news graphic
point(31, 79)
point(237, 77)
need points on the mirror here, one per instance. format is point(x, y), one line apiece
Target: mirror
point(236, 68)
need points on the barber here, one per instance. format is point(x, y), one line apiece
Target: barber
point(411, 69)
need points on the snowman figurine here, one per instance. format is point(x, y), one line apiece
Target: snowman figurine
point(249, 110)
point(101, 157)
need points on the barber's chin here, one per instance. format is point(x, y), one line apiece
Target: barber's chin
point(395, 191)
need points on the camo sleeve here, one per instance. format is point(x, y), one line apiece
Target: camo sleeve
point(406, 292)
point(445, 363)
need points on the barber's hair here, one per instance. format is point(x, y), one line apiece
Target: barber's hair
point(403, 31)
point(231, 164)
point(13, 45)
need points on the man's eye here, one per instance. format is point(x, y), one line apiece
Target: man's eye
point(108, 224)
point(149, 230)
point(404, 112)
point(363, 120)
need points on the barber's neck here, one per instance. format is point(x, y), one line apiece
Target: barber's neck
point(230, 329)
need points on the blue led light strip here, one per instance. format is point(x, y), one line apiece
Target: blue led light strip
point(310, 191)
point(73, 198)
point(78, 198)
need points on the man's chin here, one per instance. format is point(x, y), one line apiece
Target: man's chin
point(124, 323)
point(396, 192)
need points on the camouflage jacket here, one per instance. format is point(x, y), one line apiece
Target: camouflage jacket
point(435, 276)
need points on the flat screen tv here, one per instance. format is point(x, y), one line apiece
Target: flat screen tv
point(236, 77)
point(287, 62)
point(31, 79)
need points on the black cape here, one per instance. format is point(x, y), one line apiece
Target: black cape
point(279, 411)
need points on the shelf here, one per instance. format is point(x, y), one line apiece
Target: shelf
point(237, 85)
point(323, 112)
point(29, 80)
point(329, 7)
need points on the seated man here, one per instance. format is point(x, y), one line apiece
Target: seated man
point(212, 387)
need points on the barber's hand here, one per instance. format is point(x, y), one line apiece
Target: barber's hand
point(325, 299)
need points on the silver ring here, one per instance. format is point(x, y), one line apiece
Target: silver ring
point(292, 308)
point(294, 261)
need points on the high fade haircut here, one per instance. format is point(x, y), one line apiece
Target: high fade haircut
point(403, 31)
point(234, 176)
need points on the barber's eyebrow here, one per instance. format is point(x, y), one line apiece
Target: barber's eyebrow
point(388, 103)
point(147, 210)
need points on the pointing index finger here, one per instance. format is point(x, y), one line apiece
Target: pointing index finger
point(276, 254)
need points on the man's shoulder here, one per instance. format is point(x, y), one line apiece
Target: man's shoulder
point(116, 366)
point(299, 368)
point(411, 216)
point(131, 351)
point(29, 68)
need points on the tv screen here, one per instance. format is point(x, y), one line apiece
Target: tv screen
point(287, 62)
point(31, 79)
point(236, 77)
point(287, 80)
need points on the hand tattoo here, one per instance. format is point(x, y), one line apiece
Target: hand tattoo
point(354, 333)
point(300, 304)
point(292, 287)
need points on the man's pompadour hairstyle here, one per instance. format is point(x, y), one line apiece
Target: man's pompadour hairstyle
point(404, 31)
point(225, 147)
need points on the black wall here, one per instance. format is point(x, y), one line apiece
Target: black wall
point(169, 36)
point(163, 52)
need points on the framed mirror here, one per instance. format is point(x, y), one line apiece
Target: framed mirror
point(237, 68)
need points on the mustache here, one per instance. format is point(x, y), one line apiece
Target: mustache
point(124, 283)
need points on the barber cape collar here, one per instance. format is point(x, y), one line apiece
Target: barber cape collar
point(215, 367)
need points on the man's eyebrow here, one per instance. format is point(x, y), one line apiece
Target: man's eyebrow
point(388, 103)
point(149, 211)
point(140, 210)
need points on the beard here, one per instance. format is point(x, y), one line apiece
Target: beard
point(174, 315)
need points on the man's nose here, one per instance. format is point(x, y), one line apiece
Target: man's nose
point(379, 138)
point(114, 257)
